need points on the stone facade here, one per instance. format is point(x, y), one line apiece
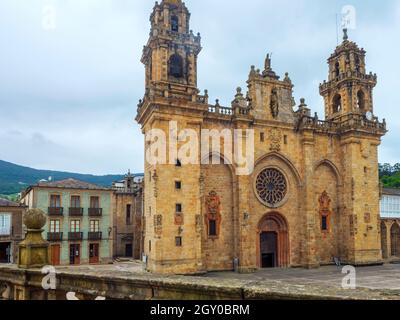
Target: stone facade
point(127, 212)
point(314, 191)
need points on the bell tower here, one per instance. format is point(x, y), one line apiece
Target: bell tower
point(349, 88)
point(349, 113)
point(170, 56)
point(171, 105)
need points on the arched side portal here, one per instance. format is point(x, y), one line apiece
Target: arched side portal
point(273, 241)
point(394, 240)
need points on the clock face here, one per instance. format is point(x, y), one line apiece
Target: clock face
point(369, 115)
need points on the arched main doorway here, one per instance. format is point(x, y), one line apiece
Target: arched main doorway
point(273, 241)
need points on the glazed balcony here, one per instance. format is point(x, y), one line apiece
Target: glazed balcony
point(55, 211)
point(54, 236)
point(95, 212)
point(75, 236)
point(75, 212)
point(95, 235)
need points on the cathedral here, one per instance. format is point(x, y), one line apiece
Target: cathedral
point(313, 196)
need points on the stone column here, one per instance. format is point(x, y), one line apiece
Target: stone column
point(388, 239)
point(310, 251)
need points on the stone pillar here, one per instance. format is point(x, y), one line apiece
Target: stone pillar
point(310, 251)
point(247, 247)
point(388, 239)
point(34, 250)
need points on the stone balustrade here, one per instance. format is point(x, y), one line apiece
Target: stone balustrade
point(343, 123)
point(343, 76)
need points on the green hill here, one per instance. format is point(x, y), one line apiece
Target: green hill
point(390, 175)
point(15, 178)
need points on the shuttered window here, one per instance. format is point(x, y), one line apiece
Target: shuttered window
point(5, 224)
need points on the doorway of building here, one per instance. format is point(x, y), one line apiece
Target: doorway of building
point(94, 253)
point(268, 243)
point(273, 241)
point(55, 251)
point(75, 254)
point(128, 250)
point(5, 252)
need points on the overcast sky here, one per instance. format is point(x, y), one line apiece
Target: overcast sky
point(68, 94)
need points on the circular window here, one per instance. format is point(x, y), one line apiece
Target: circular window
point(271, 187)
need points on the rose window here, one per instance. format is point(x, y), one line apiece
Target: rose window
point(271, 186)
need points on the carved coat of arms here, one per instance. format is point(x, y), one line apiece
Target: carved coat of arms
point(275, 137)
point(213, 207)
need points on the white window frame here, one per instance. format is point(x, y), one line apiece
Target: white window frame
point(55, 226)
point(94, 226)
point(75, 226)
point(5, 224)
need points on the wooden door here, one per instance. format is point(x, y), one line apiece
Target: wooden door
point(75, 254)
point(55, 251)
point(269, 244)
point(94, 253)
point(128, 250)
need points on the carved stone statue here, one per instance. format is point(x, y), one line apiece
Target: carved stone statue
point(274, 105)
point(267, 63)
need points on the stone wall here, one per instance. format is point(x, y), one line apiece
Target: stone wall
point(219, 252)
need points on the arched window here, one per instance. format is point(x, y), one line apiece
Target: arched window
point(361, 100)
point(337, 104)
point(176, 66)
point(357, 64)
point(337, 70)
point(175, 23)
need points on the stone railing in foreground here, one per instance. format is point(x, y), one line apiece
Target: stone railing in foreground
point(19, 284)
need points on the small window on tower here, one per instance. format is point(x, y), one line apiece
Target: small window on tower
point(358, 68)
point(337, 104)
point(262, 137)
point(175, 23)
point(176, 66)
point(178, 185)
point(128, 214)
point(212, 228)
point(361, 100)
point(337, 69)
point(324, 223)
point(178, 241)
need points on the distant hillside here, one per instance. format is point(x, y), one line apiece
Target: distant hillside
point(15, 178)
point(390, 175)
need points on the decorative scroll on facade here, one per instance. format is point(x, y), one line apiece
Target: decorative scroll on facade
point(179, 218)
point(158, 225)
point(213, 216)
point(325, 211)
point(198, 223)
point(275, 137)
point(271, 187)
